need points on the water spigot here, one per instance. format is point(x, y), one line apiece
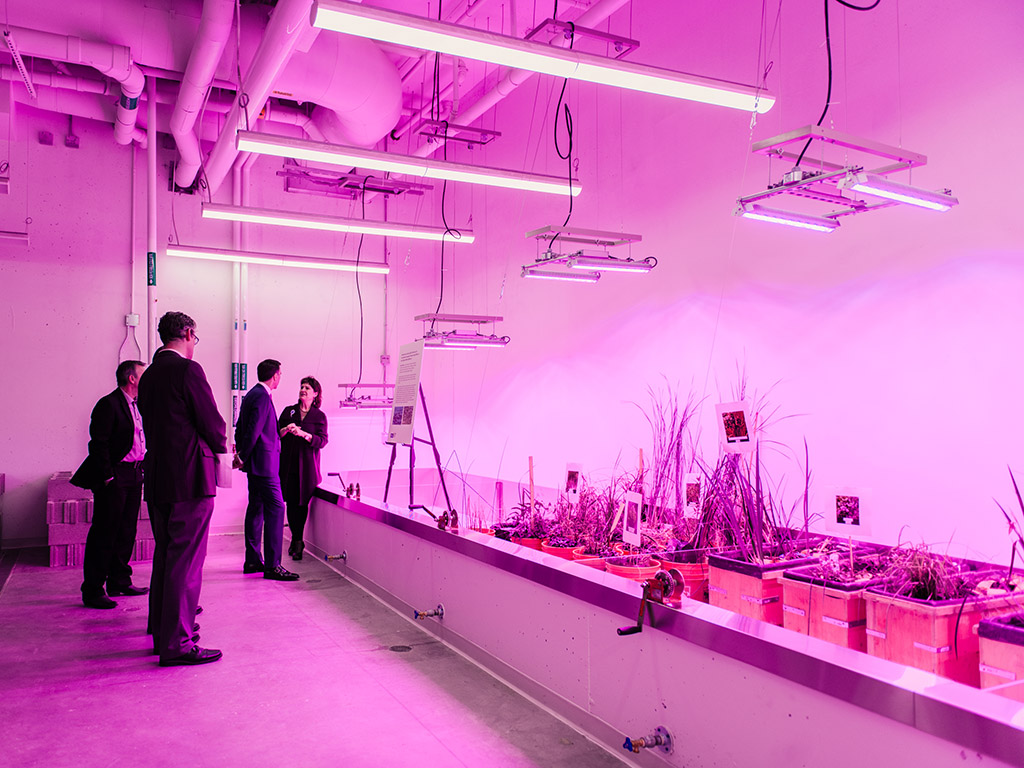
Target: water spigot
point(342, 556)
point(660, 739)
point(422, 614)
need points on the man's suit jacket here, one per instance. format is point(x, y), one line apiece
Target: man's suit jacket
point(256, 439)
point(183, 430)
point(111, 436)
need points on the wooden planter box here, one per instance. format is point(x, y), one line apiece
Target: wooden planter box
point(938, 636)
point(1001, 655)
point(749, 589)
point(828, 610)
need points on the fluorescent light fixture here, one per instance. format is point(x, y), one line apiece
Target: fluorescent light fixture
point(879, 186)
point(608, 264)
point(455, 340)
point(573, 277)
point(330, 223)
point(367, 404)
point(18, 237)
point(409, 165)
point(274, 259)
point(803, 221)
point(480, 45)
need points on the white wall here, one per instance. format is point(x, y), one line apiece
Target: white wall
point(892, 341)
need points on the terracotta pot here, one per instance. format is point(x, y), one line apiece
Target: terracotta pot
point(529, 542)
point(619, 567)
point(565, 552)
point(592, 560)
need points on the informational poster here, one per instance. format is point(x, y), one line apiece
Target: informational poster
point(573, 478)
point(735, 427)
point(631, 521)
point(407, 393)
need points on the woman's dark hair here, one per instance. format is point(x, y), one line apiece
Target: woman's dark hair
point(316, 388)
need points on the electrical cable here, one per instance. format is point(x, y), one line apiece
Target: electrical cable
point(828, 49)
point(568, 132)
point(359, 290)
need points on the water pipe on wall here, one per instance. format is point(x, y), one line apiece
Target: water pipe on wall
point(151, 297)
point(114, 61)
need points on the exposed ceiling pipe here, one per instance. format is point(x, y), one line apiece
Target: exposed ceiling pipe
point(288, 23)
point(214, 29)
point(597, 13)
point(91, 105)
point(114, 61)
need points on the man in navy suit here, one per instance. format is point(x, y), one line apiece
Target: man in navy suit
point(258, 448)
point(113, 472)
point(184, 434)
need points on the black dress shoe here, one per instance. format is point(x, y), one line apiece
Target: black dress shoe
point(297, 552)
point(129, 591)
point(196, 655)
point(100, 601)
point(280, 574)
point(253, 568)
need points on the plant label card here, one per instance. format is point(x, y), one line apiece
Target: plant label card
point(631, 520)
point(736, 427)
point(573, 478)
point(846, 512)
point(693, 494)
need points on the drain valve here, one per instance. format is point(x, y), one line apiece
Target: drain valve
point(342, 556)
point(660, 739)
point(421, 615)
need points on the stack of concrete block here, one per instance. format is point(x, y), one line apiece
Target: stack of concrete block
point(68, 516)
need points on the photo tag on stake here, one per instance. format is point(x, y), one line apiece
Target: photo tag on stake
point(846, 511)
point(631, 520)
point(736, 427)
point(693, 496)
point(573, 479)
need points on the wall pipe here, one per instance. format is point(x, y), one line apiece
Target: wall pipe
point(236, 305)
point(597, 13)
point(114, 61)
point(151, 296)
point(211, 38)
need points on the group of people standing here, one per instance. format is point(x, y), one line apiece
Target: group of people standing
point(160, 435)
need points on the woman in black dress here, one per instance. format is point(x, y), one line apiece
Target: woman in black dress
point(303, 429)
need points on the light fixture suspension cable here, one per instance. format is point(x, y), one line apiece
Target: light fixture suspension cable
point(568, 128)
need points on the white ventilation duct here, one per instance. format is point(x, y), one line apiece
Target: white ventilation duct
point(214, 28)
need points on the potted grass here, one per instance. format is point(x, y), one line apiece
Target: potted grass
point(528, 523)
point(1001, 638)
point(572, 523)
point(747, 579)
point(926, 611)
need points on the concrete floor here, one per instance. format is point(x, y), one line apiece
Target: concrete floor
point(309, 678)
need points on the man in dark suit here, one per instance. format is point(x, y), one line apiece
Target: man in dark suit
point(184, 433)
point(258, 448)
point(113, 472)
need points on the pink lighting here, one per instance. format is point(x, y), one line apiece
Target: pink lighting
point(878, 186)
point(802, 221)
point(571, 277)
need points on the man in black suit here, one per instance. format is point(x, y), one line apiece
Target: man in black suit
point(184, 433)
point(258, 448)
point(113, 472)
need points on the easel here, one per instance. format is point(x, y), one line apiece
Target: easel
point(449, 516)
